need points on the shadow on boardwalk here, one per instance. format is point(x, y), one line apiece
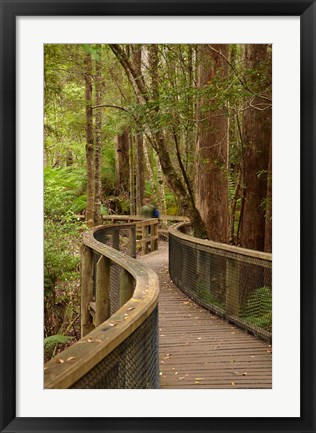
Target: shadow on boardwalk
point(198, 349)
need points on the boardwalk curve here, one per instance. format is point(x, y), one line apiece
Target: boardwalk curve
point(200, 350)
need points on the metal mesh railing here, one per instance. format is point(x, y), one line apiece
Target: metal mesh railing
point(231, 282)
point(122, 351)
point(133, 364)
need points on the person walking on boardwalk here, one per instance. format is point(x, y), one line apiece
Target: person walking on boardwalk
point(147, 209)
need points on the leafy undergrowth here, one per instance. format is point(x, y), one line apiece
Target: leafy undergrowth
point(258, 309)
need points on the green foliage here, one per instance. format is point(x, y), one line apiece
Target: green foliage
point(63, 191)
point(172, 207)
point(52, 342)
point(207, 295)
point(79, 204)
point(59, 254)
point(94, 51)
point(258, 308)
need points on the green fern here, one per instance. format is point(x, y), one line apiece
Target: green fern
point(51, 343)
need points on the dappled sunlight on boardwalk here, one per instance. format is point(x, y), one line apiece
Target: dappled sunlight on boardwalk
point(199, 350)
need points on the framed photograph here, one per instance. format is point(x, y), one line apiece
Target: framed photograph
point(287, 30)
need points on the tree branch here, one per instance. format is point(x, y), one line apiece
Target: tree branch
point(242, 81)
point(111, 106)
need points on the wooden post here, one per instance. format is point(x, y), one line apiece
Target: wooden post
point(116, 238)
point(87, 266)
point(144, 239)
point(102, 298)
point(153, 233)
point(132, 241)
point(232, 287)
point(126, 286)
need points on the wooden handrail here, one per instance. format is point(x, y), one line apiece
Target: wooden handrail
point(73, 363)
point(176, 231)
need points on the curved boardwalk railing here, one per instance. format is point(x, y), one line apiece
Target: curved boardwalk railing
point(233, 282)
point(120, 308)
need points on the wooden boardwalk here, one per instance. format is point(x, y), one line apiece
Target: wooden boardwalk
point(198, 349)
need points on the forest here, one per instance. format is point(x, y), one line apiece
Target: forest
point(187, 126)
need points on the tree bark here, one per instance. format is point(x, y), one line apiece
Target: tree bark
point(139, 145)
point(257, 126)
point(161, 189)
point(268, 222)
point(122, 161)
point(89, 142)
point(139, 162)
point(132, 170)
point(98, 144)
point(211, 149)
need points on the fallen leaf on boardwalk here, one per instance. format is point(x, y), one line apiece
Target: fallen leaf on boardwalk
point(98, 341)
point(232, 360)
point(245, 374)
point(61, 361)
point(71, 358)
point(233, 383)
point(269, 351)
point(162, 362)
point(176, 373)
point(45, 368)
point(180, 378)
point(199, 338)
point(90, 340)
point(160, 374)
point(197, 382)
point(131, 308)
point(252, 356)
point(199, 378)
point(112, 324)
point(162, 335)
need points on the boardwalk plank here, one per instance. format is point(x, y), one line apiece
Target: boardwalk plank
point(199, 350)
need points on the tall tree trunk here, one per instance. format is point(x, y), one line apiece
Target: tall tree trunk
point(136, 59)
point(211, 149)
point(160, 189)
point(139, 171)
point(122, 161)
point(149, 168)
point(98, 144)
point(132, 170)
point(89, 142)
point(257, 121)
point(268, 226)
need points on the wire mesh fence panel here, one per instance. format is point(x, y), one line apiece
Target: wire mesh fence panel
point(231, 284)
point(109, 280)
point(134, 364)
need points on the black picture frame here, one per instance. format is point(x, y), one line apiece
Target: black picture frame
point(9, 11)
